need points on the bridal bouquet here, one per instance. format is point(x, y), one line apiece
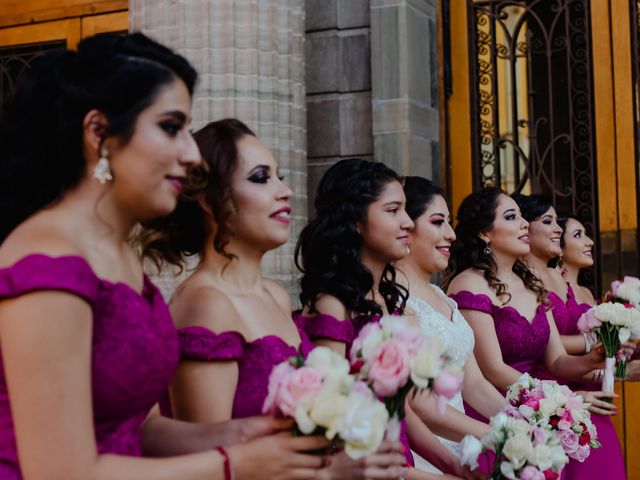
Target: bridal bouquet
point(554, 407)
point(613, 323)
point(323, 398)
point(523, 451)
point(392, 357)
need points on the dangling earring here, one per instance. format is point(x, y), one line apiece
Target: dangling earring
point(102, 170)
point(487, 250)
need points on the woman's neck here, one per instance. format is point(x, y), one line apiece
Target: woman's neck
point(376, 267)
point(537, 265)
point(241, 272)
point(413, 273)
point(570, 274)
point(504, 265)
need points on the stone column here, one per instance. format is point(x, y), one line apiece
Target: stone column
point(404, 79)
point(250, 57)
point(338, 84)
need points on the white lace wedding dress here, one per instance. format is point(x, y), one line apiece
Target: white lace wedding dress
point(457, 337)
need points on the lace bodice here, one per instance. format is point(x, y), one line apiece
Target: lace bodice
point(134, 351)
point(456, 336)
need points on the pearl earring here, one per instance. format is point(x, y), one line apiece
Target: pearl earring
point(102, 170)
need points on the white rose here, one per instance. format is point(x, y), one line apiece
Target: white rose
point(425, 366)
point(540, 456)
point(558, 458)
point(517, 449)
point(507, 470)
point(526, 411)
point(328, 410)
point(470, 448)
point(518, 426)
point(624, 334)
point(364, 424)
point(547, 407)
point(499, 421)
point(326, 360)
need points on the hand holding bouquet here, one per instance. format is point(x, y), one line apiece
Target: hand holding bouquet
point(555, 408)
point(523, 451)
point(392, 357)
point(614, 324)
point(325, 399)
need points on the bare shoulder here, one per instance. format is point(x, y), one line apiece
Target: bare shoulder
point(330, 305)
point(198, 304)
point(470, 280)
point(37, 237)
point(277, 291)
point(586, 294)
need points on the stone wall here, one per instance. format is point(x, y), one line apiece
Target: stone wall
point(250, 56)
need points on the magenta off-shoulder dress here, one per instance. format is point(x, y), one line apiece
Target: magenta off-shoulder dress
point(326, 327)
point(522, 341)
point(134, 351)
point(255, 358)
point(607, 461)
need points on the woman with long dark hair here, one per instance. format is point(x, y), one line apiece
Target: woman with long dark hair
point(346, 254)
point(94, 142)
point(576, 250)
point(505, 304)
point(437, 315)
point(234, 324)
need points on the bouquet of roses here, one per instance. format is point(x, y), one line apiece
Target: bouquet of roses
point(324, 398)
point(613, 323)
point(554, 407)
point(392, 357)
point(522, 451)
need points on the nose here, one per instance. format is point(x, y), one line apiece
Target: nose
point(557, 228)
point(190, 154)
point(407, 223)
point(449, 233)
point(524, 225)
point(284, 192)
point(589, 242)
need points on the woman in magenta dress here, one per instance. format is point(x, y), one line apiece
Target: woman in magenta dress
point(94, 142)
point(607, 461)
point(346, 253)
point(234, 324)
point(502, 300)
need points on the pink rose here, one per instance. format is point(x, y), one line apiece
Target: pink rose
point(588, 321)
point(358, 344)
point(411, 338)
point(390, 368)
point(564, 425)
point(301, 383)
point(614, 287)
point(363, 389)
point(567, 416)
point(570, 441)
point(581, 453)
point(531, 473)
point(278, 376)
point(448, 384)
point(533, 403)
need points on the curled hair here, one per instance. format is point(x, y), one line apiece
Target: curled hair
point(329, 247)
point(532, 206)
point(476, 215)
point(185, 231)
point(420, 192)
point(41, 127)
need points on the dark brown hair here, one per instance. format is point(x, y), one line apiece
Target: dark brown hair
point(184, 232)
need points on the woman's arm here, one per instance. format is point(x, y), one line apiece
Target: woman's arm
point(573, 344)
point(568, 367)
point(47, 362)
point(452, 424)
point(487, 351)
point(478, 392)
point(330, 305)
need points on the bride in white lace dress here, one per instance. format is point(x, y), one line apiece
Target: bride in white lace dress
point(438, 315)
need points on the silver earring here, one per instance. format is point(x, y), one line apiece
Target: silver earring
point(102, 170)
point(487, 250)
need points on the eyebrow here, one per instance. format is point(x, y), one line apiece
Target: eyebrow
point(509, 210)
point(394, 202)
point(437, 214)
point(176, 113)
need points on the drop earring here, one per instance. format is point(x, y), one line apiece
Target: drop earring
point(487, 250)
point(102, 170)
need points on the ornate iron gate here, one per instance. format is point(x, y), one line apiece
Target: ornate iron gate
point(532, 102)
